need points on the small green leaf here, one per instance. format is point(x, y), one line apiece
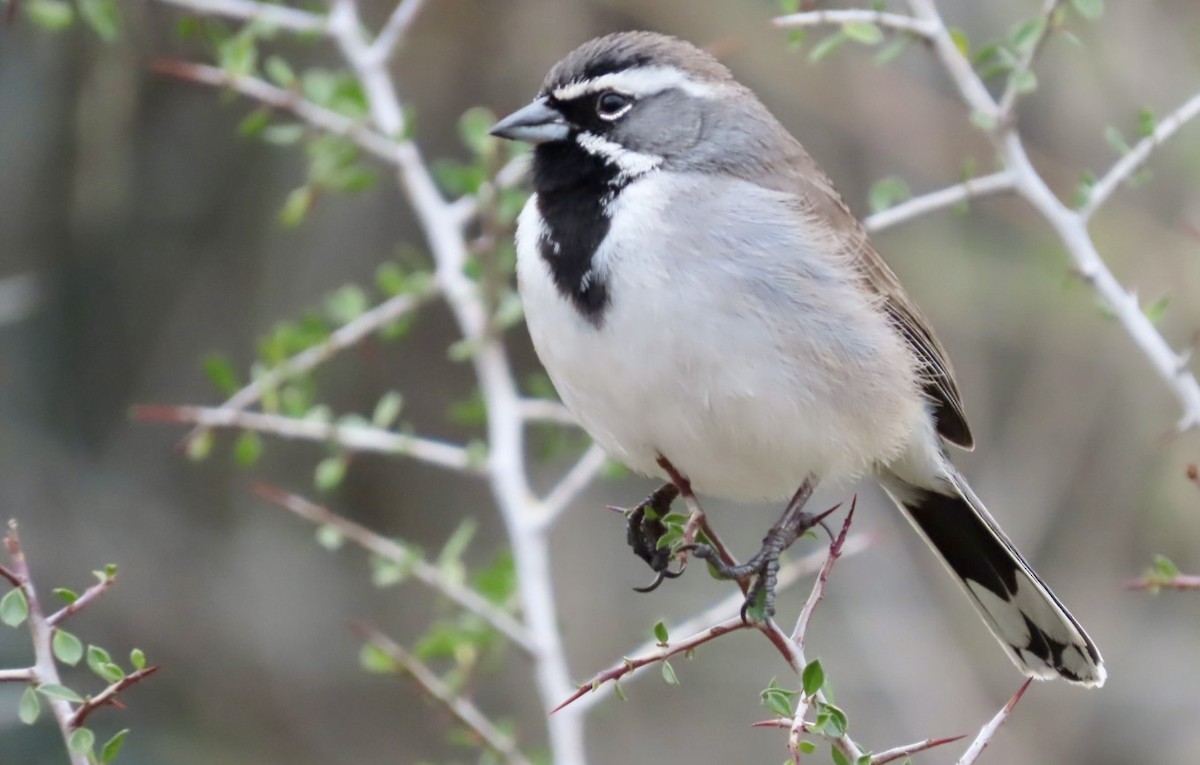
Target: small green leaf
point(65, 595)
point(1156, 310)
point(387, 409)
point(81, 741)
point(473, 127)
point(961, 41)
point(888, 192)
point(864, 760)
point(1027, 34)
point(112, 747)
point(1089, 9)
point(102, 17)
point(254, 123)
point(863, 32)
point(346, 304)
point(1147, 123)
point(619, 691)
point(777, 700)
point(836, 722)
point(375, 660)
point(30, 707)
point(296, 206)
point(660, 633)
point(983, 120)
point(789, 6)
point(137, 658)
point(283, 135)
point(807, 747)
point(97, 657)
point(200, 445)
point(60, 692)
point(668, 673)
point(52, 15)
point(67, 647)
point(1024, 81)
point(219, 370)
point(111, 673)
point(838, 757)
point(450, 557)
point(827, 46)
point(248, 448)
point(280, 71)
point(14, 608)
point(1116, 140)
point(330, 537)
point(813, 677)
point(329, 473)
point(892, 50)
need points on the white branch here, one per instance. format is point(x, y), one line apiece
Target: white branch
point(355, 438)
point(403, 15)
point(571, 485)
point(895, 21)
point(970, 87)
point(1129, 164)
point(545, 410)
point(346, 29)
point(988, 731)
point(1008, 99)
point(291, 19)
point(936, 200)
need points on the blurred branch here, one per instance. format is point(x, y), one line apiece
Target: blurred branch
point(291, 19)
point(818, 589)
point(896, 21)
point(355, 438)
point(462, 709)
point(109, 695)
point(970, 87)
point(988, 731)
point(16, 675)
point(574, 483)
point(891, 755)
point(410, 560)
point(926, 203)
point(390, 37)
point(1013, 89)
point(1128, 164)
point(545, 410)
point(83, 601)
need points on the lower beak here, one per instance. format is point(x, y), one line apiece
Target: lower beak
point(535, 123)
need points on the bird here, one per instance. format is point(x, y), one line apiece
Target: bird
point(714, 315)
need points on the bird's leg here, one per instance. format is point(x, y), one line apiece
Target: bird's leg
point(644, 527)
point(764, 566)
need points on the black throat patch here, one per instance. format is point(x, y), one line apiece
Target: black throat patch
point(573, 189)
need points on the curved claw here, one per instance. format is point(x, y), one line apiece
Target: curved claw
point(659, 578)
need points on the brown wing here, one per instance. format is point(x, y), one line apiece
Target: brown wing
point(804, 178)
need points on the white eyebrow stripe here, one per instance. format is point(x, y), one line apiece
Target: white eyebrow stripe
point(638, 82)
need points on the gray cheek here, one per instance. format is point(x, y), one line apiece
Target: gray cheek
point(665, 125)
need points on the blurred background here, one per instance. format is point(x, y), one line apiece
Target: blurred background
point(138, 233)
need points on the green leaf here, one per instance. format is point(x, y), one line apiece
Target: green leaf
point(112, 747)
point(52, 15)
point(97, 657)
point(1083, 191)
point(295, 208)
point(346, 304)
point(777, 700)
point(283, 135)
point(961, 41)
point(254, 123)
point(498, 581)
point(81, 741)
point(219, 370)
point(836, 722)
point(660, 633)
point(668, 673)
point(892, 50)
point(200, 445)
point(330, 537)
point(1089, 9)
point(248, 448)
point(1156, 310)
point(807, 747)
point(102, 17)
point(789, 6)
point(67, 647)
point(65, 595)
point(111, 673)
point(14, 608)
point(1116, 140)
point(827, 46)
point(1024, 81)
point(813, 677)
point(473, 127)
point(1147, 123)
point(449, 560)
point(279, 70)
point(30, 707)
point(863, 32)
point(375, 660)
point(888, 192)
point(238, 55)
point(619, 692)
point(838, 757)
point(1027, 34)
point(137, 658)
point(59, 692)
point(329, 473)
point(983, 121)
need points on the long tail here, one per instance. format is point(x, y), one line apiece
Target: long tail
point(1037, 632)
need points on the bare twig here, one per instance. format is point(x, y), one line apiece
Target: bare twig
point(988, 731)
point(109, 694)
point(818, 590)
point(1128, 164)
point(571, 485)
point(82, 602)
point(412, 561)
point(970, 87)
point(916, 207)
point(463, 710)
point(891, 755)
point(398, 23)
point(896, 21)
point(291, 19)
point(16, 675)
point(545, 410)
point(355, 438)
point(1177, 582)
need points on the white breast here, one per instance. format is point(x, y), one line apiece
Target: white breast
point(734, 344)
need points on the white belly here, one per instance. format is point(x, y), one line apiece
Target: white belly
point(724, 359)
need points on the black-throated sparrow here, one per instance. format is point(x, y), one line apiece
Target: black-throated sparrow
point(707, 306)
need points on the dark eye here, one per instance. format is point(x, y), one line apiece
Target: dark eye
point(611, 105)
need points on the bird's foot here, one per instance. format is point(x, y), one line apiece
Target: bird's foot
point(646, 529)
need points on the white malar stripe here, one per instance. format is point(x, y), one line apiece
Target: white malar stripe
point(631, 164)
point(638, 82)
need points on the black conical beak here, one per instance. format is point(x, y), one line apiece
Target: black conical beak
point(535, 123)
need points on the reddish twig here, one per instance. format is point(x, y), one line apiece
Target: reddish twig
point(881, 758)
point(108, 696)
point(626, 666)
point(818, 590)
point(988, 731)
point(1181, 582)
point(10, 576)
point(90, 594)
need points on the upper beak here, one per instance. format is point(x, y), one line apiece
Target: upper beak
point(535, 123)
